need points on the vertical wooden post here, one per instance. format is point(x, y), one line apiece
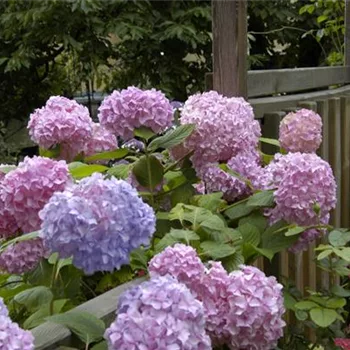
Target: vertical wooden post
point(347, 34)
point(230, 47)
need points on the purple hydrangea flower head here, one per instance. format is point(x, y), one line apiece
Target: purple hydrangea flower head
point(8, 223)
point(3, 308)
point(180, 261)
point(98, 222)
point(159, 314)
point(224, 127)
point(176, 104)
point(102, 140)
point(25, 190)
point(254, 310)
point(61, 122)
point(12, 337)
point(302, 180)
point(124, 111)
point(301, 131)
point(22, 257)
point(246, 164)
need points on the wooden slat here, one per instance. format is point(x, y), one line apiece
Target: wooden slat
point(322, 110)
point(264, 105)
point(277, 81)
point(345, 161)
point(335, 153)
point(230, 47)
point(49, 336)
point(347, 33)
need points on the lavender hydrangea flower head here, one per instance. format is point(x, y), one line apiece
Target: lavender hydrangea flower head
point(8, 223)
point(124, 111)
point(302, 180)
point(301, 131)
point(102, 140)
point(98, 222)
point(61, 122)
point(22, 257)
point(3, 308)
point(224, 127)
point(254, 310)
point(12, 337)
point(25, 190)
point(180, 261)
point(159, 314)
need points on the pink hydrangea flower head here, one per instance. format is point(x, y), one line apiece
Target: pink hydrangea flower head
point(25, 190)
point(180, 261)
point(224, 127)
point(301, 131)
point(301, 181)
point(159, 314)
point(12, 337)
point(124, 111)
point(254, 310)
point(61, 122)
point(213, 294)
point(343, 343)
point(246, 164)
point(22, 257)
point(102, 141)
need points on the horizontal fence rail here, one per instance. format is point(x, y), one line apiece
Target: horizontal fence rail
point(280, 81)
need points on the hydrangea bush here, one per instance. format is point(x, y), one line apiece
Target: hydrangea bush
point(190, 202)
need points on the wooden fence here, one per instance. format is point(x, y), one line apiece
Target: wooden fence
point(274, 93)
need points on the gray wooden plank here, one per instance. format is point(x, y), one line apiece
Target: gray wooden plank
point(49, 336)
point(230, 47)
point(281, 81)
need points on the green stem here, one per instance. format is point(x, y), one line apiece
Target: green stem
point(149, 172)
point(234, 204)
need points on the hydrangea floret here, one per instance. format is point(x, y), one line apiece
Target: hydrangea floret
point(124, 111)
point(98, 222)
point(159, 314)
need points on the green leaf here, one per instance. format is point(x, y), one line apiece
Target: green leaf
point(289, 300)
point(86, 326)
point(335, 303)
point(270, 141)
point(144, 133)
point(5, 169)
point(276, 242)
point(34, 297)
point(343, 253)
point(25, 237)
point(100, 346)
point(39, 316)
point(86, 170)
point(323, 317)
point(211, 201)
point(172, 138)
point(261, 199)
point(250, 234)
point(184, 235)
point(338, 238)
point(148, 171)
point(257, 219)
point(182, 194)
point(139, 259)
point(322, 18)
point(232, 262)
point(301, 315)
point(120, 171)
point(117, 154)
point(324, 254)
point(267, 253)
point(295, 231)
point(50, 153)
point(217, 250)
point(237, 211)
point(213, 223)
point(340, 291)
point(305, 305)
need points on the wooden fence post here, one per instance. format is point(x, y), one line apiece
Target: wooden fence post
point(230, 47)
point(347, 34)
